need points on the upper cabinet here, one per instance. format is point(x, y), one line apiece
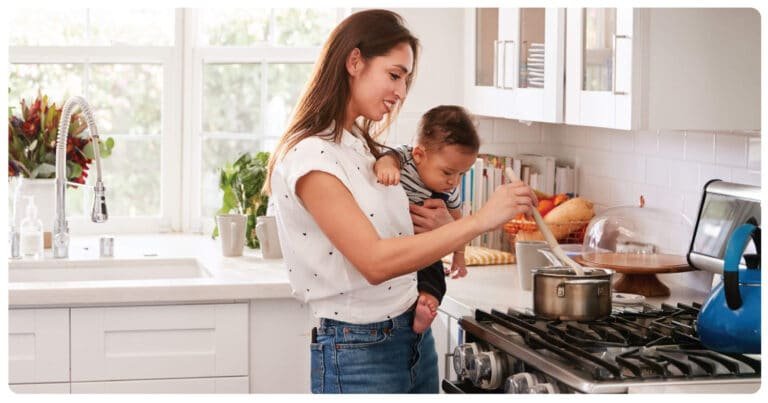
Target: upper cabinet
point(663, 68)
point(514, 63)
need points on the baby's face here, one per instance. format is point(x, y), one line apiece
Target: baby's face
point(441, 170)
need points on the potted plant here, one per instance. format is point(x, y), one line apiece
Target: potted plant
point(32, 137)
point(241, 183)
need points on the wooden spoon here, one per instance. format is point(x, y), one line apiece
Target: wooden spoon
point(556, 249)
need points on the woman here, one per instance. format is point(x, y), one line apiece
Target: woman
point(347, 240)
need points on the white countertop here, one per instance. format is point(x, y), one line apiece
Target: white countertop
point(252, 277)
point(231, 278)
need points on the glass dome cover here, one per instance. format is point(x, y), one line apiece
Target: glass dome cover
point(637, 237)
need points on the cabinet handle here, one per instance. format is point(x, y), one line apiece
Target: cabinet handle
point(495, 63)
point(504, 65)
point(613, 73)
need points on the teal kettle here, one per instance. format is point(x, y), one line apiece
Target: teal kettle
point(730, 318)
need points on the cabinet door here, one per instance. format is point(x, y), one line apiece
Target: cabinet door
point(599, 67)
point(149, 342)
point(38, 345)
point(515, 63)
point(192, 385)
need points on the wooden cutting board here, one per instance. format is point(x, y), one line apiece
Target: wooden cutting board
point(635, 263)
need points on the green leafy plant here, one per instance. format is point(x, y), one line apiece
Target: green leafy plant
point(241, 183)
point(32, 142)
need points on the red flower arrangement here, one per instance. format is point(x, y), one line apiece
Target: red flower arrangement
point(32, 142)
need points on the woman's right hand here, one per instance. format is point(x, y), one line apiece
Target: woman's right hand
point(506, 202)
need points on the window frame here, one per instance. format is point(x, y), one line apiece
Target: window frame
point(169, 58)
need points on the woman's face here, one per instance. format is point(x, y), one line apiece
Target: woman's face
point(378, 85)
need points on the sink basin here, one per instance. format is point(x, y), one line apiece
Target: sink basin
point(105, 269)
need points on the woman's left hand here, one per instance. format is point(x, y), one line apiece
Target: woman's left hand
point(433, 214)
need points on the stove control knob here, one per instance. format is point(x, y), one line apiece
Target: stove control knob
point(488, 370)
point(463, 356)
point(521, 383)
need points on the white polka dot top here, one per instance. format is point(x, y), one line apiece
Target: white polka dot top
point(319, 274)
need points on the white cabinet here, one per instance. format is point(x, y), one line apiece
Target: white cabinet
point(150, 342)
point(448, 335)
point(514, 63)
point(280, 337)
point(663, 68)
point(193, 385)
point(38, 346)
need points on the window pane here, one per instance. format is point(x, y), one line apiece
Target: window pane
point(44, 27)
point(58, 81)
point(131, 176)
point(216, 153)
point(233, 27)
point(140, 27)
point(126, 98)
point(100, 27)
point(303, 27)
point(232, 98)
point(285, 84)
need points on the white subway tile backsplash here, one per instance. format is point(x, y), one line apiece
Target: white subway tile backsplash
point(647, 142)
point(622, 194)
point(657, 171)
point(700, 146)
point(745, 176)
point(684, 175)
point(576, 136)
point(485, 129)
point(731, 149)
point(622, 142)
point(615, 167)
point(599, 139)
point(671, 144)
point(707, 172)
point(753, 156)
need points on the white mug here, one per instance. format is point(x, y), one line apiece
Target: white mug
point(529, 258)
point(266, 231)
point(232, 231)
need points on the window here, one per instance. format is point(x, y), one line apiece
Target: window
point(172, 87)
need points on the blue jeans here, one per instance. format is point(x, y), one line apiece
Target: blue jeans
point(383, 357)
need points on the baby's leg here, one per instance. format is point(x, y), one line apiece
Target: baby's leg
point(426, 310)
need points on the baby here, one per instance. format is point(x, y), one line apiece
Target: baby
point(446, 147)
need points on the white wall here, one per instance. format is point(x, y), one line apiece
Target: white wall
point(439, 69)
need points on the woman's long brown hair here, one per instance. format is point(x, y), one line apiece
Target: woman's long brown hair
point(325, 98)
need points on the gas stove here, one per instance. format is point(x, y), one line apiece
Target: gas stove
point(645, 350)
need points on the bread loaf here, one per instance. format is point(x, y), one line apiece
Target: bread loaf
point(562, 220)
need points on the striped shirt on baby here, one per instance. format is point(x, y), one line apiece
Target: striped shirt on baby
point(414, 187)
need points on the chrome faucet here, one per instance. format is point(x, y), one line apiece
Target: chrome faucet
point(99, 213)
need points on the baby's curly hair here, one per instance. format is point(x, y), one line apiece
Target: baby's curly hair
point(448, 125)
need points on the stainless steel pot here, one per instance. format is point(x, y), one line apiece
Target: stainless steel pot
point(559, 293)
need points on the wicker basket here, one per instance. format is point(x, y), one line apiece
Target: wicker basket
point(565, 233)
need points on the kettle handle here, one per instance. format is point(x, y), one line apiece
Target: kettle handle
point(733, 252)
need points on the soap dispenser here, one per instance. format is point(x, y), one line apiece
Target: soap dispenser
point(31, 231)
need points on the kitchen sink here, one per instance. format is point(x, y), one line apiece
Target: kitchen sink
point(50, 270)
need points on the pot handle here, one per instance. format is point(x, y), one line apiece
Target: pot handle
point(733, 252)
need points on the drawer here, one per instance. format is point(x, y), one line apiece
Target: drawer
point(150, 342)
point(38, 345)
point(194, 385)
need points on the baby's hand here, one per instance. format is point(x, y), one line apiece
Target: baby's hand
point(458, 266)
point(387, 173)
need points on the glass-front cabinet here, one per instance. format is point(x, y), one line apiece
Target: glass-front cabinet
point(663, 68)
point(599, 67)
point(515, 61)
